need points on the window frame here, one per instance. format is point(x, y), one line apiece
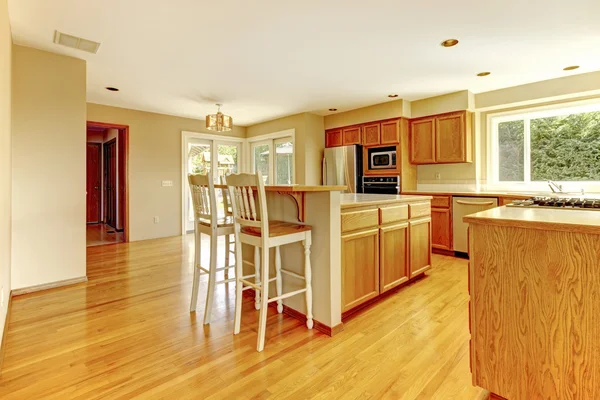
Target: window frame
point(526, 115)
point(271, 139)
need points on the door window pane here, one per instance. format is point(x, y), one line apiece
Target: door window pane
point(284, 162)
point(511, 151)
point(198, 163)
point(261, 161)
point(228, 160)
point(566, 148)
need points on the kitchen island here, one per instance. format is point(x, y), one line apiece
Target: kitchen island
point(534, 282)
point(349, 232)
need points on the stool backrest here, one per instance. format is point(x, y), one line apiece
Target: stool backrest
point(242, 188)
point(204, 200)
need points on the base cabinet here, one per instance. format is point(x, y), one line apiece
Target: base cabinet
point(394, 256)
point(441, 228)
point(420, 246)
point(360, 267)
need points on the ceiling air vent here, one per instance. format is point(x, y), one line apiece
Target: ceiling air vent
point(76, 42)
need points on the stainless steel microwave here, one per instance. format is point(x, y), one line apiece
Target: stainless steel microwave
point(382, 158)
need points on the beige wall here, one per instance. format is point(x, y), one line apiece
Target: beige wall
point(441, 104)
point(390, 109)
point(5, 160)
point(309, 143)
point(154, 156)
point(48, 150)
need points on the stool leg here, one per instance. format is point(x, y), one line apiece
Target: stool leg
point(264, 285)
point(212, 277)
point(308, 277)
point(196, 281)
point(257, 278)
point(238, 284)
point(227, 244)
point(278, 280)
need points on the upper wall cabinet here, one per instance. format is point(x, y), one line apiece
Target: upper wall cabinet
point(390, 132)
point(371, 134)
point(441, 139)
point(351, 135)
point(333, 137)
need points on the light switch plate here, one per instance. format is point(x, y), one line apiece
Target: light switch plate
point(166, 183)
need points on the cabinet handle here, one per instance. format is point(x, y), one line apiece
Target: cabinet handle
point(474, 203)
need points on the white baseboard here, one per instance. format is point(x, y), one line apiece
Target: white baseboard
point(46, 286)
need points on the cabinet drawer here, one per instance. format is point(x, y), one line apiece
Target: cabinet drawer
point(440, 201)
point(352, 221)
point(393, 214)
point(419, 210)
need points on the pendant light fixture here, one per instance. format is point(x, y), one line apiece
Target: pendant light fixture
point(219, 122)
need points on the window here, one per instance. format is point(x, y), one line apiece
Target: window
point(558, 144)
point(274, 158)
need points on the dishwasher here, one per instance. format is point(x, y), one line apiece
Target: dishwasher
point(462, 206)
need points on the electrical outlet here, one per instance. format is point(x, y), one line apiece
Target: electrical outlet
point(156, 220)
point(438, 176)
point(167, 183)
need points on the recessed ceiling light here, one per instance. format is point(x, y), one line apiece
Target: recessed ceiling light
point(333, 109)
point(571, 68)
point(483, 73)
point(112, 89)
point(392, 96)
point(449, 43)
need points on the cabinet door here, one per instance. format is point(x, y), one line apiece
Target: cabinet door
point(393, 253)
point(441, 228)
point(390, 132)
point(333, 138)
point(351, 135)
point(422, 141)
point(360, 268)
point(371, 134)
point(420, 246)
point(451, 138)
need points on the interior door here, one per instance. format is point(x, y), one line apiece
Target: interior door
point(110, 183)
point(93, 183)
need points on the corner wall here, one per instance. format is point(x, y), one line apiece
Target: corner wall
point(5, 161)
point(48, 167)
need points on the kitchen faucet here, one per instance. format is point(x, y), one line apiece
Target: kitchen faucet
point(555, 187)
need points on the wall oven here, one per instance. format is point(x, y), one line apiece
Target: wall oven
point(381, 184)
point(381, 158)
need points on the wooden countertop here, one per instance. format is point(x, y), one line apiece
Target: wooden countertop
point(471, 194)
point(581, 221)
point(298, 188)
point(349, 200)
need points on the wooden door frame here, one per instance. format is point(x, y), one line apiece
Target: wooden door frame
point(123, 200)
point(99, 149)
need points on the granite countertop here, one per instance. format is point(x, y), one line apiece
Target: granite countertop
point(479, 193)
point(569, 220)
point(348, 200)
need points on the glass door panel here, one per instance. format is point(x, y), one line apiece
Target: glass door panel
point(228, 155)
point(261, 160)
point(198, 162)
point(284, 161)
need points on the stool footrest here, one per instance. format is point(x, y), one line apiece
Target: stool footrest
point(286, 295)
point(288, 272)
point(226, 280)
point(248, 283)
point(224, 268)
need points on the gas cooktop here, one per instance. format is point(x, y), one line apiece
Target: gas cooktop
point(564, 203)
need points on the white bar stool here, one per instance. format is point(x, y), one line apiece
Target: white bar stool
point(258, 231)
point(205, 221)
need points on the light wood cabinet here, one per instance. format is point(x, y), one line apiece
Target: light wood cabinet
point(420, 246)
point(371, 134)
point(394, 256)
point(451, 138)
point(390, 132)
point(360, 268)
point(333, 138)
point(351, 135)
point(441, 139)
point(422, 141)
point(441, 228)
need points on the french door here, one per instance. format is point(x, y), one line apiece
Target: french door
point(214, 157)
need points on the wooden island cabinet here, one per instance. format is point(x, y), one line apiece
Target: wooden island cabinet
point(386, 242)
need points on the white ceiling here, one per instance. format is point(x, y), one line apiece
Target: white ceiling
point(269, 58)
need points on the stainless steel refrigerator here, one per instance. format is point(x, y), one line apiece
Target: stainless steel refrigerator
point(343, 166)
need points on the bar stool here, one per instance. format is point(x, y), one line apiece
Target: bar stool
point(206, 221)
point(256, 230)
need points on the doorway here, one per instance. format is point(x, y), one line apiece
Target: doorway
point(107, 183)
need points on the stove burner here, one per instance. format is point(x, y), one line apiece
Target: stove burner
point(558, 202)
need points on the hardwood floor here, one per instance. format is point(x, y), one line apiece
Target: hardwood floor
point(128, 333)
point(100, 234)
